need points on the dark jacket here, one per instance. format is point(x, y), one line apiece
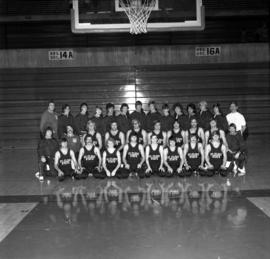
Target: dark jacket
point(123, 123)
point(166, 123)
point(47, 147)
point(80, 123)
point(204, 118)
point(236, 142)
point(63, 122)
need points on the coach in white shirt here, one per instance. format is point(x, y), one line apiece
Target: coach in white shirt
point(236, 117)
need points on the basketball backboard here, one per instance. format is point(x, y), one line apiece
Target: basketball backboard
point(95, 16)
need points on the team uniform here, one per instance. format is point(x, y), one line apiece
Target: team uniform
point(133, 158)
point(193, 158)
point(112, 162)
point(139, 136)
point(159, 137)
point(216, 159)
point(116, 138)
point(155, 160)
point(178, 138)
point(173, 160)
point(65, 163)
point(90, 163)
point(197, 134)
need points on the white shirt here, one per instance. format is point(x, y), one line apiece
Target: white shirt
point(237, 118)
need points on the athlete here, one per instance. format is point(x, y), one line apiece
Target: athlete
point(180, 116)
point(193, 155)
point(123, 120)
point(117, 135)
point(98, 120)
point(73, 140)
point(166, 119)
point(173, 158)
point(204, 115)
point(96, 136)
point(133, 156)
point(90, 159)
point(81, 119)
point(111, 159)
point(47, 148)
point(195, 129)
point(236, 150)
point(213, 128)
point(215, 156)
point(161, 135)
point(220, 118)
point(154, 158)
point(139, 115)
point(141, 133)
point(65, 162)
point(178, 134)
point(152, 115)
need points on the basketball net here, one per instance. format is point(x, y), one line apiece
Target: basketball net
point(138, 12)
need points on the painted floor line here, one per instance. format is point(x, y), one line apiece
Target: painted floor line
point(11, 214)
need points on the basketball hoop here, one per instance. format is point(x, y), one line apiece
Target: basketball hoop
point(138, 12)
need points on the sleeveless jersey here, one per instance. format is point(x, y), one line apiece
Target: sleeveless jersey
point(89, 159)
point(65, 161)
point(94, 139)
point(173, 158)
point(193, 157)
point(133, 157)
point(139, 136)
point(216, 156)
point(154, 158)
point(159, 137)
point(211, 135)
point(111, 160)
point(197, 134)
point(116, 138)
point(178, 138)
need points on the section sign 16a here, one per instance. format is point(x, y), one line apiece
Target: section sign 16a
point(207, 51)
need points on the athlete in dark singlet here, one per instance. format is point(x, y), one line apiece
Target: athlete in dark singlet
point(161, 136)
point(133, 156)
point(194, 129)
point(116, 135)
point(178, 134)
point(213, 128)
point(90, 159)
point(111, 159)
point(96, 136)
point(173, 158)
point(141, 133)
point(216, 156)
point(64, 158)
point(194, 155)
point(154, 158)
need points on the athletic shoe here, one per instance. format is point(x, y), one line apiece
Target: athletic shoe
point(39, 176)
point(242, 171)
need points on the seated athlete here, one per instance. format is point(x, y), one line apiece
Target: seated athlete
point(216, 156)
point(118, 136)
point(214, 128)
point(173, 158)
point(178, 134)
point(141, 133)
point(65, 162)
point(111, 159)
point(96, 136)
point(133, 157)
point(161, 135)
point(47, 148)
point(195, 129)
point(90, 159)
point(193, 155)
point(236, 154)
point(154, 158)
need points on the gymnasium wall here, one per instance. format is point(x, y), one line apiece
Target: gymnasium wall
point(100, 75)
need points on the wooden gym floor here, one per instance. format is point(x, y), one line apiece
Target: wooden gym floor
point(35, 224)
